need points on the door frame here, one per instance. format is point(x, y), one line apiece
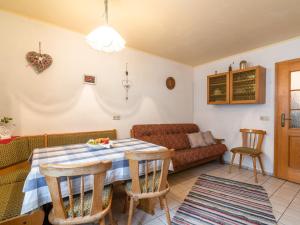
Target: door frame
point(277, 119)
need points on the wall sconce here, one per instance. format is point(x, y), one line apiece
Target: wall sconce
point(126, 83)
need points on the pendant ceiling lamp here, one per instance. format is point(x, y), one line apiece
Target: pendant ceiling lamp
point(105, 38)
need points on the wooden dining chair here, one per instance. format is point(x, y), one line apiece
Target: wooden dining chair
point(81, 208)
point(252, 146)
point(147, 181)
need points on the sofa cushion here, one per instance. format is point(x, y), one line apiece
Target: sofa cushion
point(154, 139)
point(139, 131)
point(171, 141)
point(208, 138)
point(176, 141)
point(14, 152)
point(11, 199)
point(184, 157)
point(196, 140)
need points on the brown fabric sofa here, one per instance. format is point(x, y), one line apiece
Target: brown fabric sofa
point(174, 136)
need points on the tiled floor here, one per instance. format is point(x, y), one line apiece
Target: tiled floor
point(284, 195)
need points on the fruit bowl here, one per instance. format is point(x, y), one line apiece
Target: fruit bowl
point(99, 143)
point(98, 146)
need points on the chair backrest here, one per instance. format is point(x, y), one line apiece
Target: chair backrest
point(149, 162)
point(53, 173)
point(253, 138)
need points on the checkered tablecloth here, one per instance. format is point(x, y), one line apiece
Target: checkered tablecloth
point(35, 186)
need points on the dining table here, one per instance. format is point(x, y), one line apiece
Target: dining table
point(35, 187)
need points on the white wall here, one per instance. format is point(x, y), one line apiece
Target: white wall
point(58, 101)
point(226, 120)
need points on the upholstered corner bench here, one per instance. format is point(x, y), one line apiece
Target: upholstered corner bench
point(14, 168)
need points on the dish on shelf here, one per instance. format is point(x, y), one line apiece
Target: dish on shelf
point(217, 92)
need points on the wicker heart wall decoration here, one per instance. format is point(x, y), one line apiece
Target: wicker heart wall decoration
point(39, 61)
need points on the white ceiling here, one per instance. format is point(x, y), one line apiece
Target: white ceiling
point(188, 31)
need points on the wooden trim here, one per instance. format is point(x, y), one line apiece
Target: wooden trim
point(287, 61)
point(253, 131)
point(46, 136)
point(275, 167)
point(46, 140)
point(34, 218)
point(246, 69)
point(81, 132)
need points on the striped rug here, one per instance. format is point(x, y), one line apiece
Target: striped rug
point(214, 200)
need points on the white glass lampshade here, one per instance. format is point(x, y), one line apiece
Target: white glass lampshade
point(105, 38)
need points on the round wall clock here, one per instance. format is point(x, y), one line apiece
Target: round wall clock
point(170, 83)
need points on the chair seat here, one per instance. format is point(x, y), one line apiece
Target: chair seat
point(143, 187)
point(88, 197)
point(11, 199)
point(245, 150)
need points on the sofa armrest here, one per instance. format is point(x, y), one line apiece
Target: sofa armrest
point(219, 140)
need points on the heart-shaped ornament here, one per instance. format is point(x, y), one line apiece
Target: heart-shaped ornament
point(39, 61)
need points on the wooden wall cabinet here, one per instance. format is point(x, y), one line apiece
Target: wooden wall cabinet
point(247, 86)
point(218, 89)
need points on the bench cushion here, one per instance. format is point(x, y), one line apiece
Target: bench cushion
point(18, 175)
point(11, 199)
point(14, 152)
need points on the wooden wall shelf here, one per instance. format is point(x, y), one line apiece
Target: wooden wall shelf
point(247, 86)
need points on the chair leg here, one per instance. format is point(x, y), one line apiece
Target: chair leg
point(261, 165)
point(131, 207)
point(165, 205)
point(241, 161)
point(232, 160)
point(126, 204)
point(221, 160)
point(161, 204)
point(102, 221)
point(254, 168)
point(111, 219)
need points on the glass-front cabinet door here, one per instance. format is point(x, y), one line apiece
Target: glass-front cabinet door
point(295, 100)
point(248, 86)
point(218, 88)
